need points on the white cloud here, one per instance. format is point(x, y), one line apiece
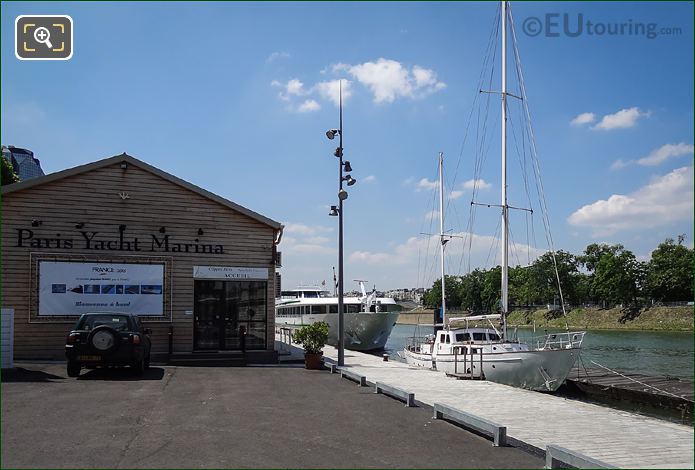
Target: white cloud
point(453, 195)
point(317, 240)
point(666, 199)
point(424, 183)
point(623, 119)
point(369, 179)
point(431, 215)
point(305, 229)
point(306, 239)
point(388, 79)
point(308, 106)
point(619, 164)
point(414, 249)
point(368, 257)
point(480, 184)
point(665, 152)
point(277, 55)
point(657, 156)
point(408, 181)
point(293, 87)
point(584, 118)
point(330, 90)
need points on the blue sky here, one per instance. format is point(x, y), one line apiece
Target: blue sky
point(236, 97)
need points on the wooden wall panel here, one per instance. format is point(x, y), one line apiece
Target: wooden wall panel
point(93, 198)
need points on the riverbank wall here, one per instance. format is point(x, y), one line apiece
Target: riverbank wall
point(652, 318)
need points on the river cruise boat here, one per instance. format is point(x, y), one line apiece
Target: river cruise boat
point(368, 319)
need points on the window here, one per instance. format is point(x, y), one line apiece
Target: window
point(460, 337)
point(479, 337)
point(493, 336)
point(117, 322)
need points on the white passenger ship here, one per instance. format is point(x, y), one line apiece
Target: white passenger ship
point(368, 319)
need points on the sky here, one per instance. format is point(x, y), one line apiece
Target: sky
point(236, 98)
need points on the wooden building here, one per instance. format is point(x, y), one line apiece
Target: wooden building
point(120, 235)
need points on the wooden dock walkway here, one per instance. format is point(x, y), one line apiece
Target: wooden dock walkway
point(618, 438)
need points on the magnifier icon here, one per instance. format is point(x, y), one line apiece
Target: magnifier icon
point(43, 35)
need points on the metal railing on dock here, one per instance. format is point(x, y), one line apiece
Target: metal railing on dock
point(468, 353)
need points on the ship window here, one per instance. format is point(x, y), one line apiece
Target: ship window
point(479, 337)
point(448, 340)
point(493, 336)
point(333, 309)
point(317, 309)
point(311, 295)
point(441, 338)
point(352, 308)
point(463, 337)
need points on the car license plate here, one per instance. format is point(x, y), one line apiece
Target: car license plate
point(89, 358)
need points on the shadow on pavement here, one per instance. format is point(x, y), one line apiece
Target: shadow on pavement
point(121, 374)
point(20, 374)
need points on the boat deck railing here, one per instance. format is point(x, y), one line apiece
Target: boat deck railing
point(414, 343)
point(565, 340)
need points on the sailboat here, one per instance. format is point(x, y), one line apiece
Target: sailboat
point(474, 347)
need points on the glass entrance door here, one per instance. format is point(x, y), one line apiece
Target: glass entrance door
point(207, 312)
point(223, 307)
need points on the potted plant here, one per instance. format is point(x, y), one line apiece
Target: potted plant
point(312, 338)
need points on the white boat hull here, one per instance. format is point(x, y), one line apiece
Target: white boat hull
point(541, 370)
point(364, 331)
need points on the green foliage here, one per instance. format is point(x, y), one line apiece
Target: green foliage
point(8, 175)
point(452, 288)
point(612, 275)
point(670, 272)
point(312, 337)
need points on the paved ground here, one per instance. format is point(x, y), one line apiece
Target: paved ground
point(272, 417)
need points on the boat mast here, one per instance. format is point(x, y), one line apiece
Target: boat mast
point(442, 242)
point(505, 208)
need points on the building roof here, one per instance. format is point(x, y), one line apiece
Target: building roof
point(124, 157)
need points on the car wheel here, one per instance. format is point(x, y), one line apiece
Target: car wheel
point(139, 367)
point(74, 369)
point(103, 339)
point(147, 362)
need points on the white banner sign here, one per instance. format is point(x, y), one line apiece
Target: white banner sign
point(67, 288)
point(229, 272)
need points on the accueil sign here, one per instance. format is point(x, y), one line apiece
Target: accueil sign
point(98, 241)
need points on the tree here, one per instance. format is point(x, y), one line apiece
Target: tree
point(433, 297)
point(492, 287)
point(8, 175)
point(616, 277)
point(471, 290)
point(593, 253)
point(669, 274)
point(543, 280)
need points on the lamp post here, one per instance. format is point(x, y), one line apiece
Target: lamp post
point(338, 211)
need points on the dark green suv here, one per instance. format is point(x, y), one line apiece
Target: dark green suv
point(108, 339)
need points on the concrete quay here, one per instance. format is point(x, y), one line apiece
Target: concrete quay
point(537, 420)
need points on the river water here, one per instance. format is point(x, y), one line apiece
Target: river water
point(642, 352)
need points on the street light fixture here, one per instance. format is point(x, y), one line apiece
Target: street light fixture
point(338, 211)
